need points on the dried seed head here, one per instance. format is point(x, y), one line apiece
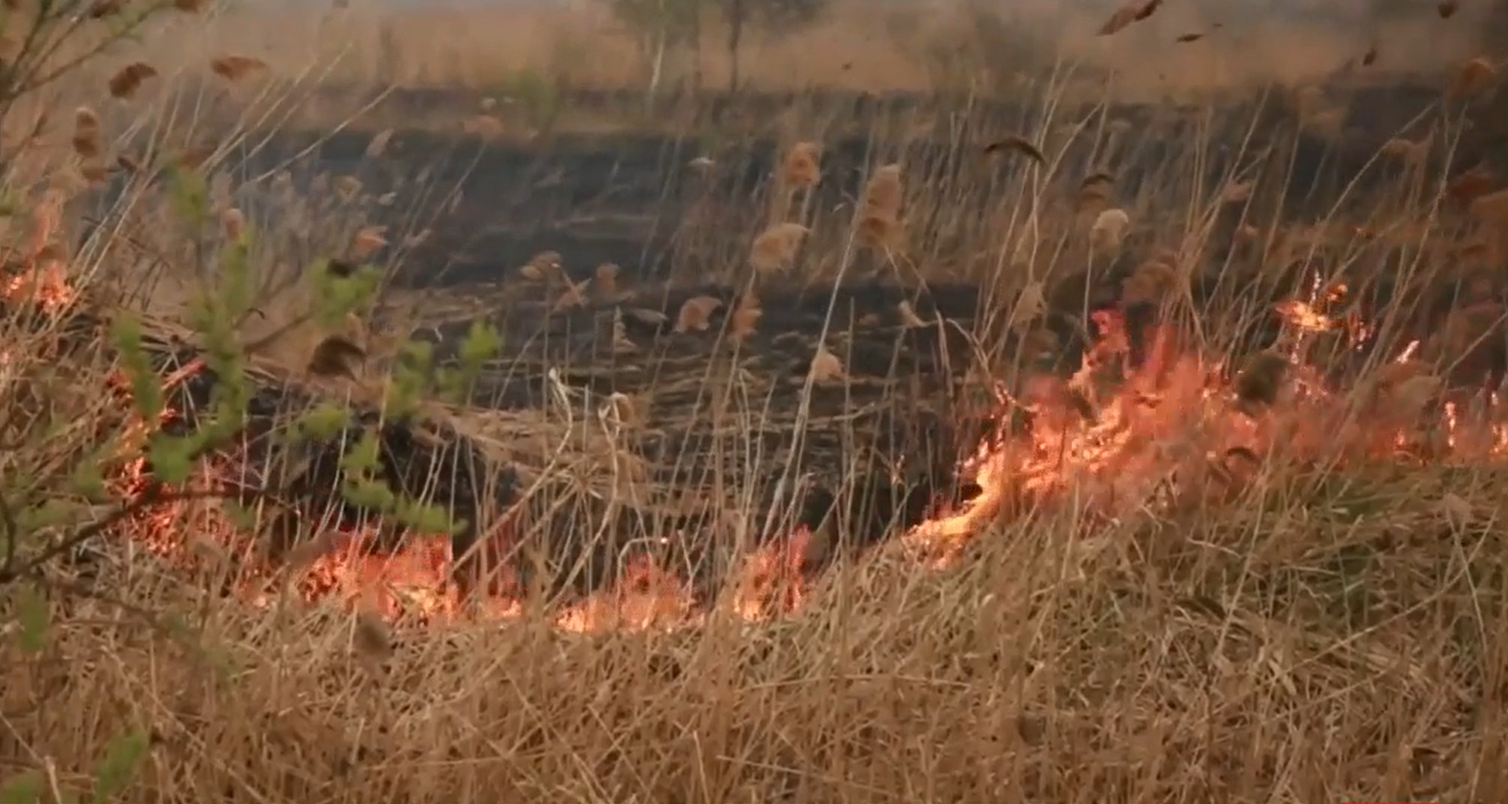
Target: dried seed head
point(883, 193)
point(483, 125)
point(546, 266)
point(803, 165)
point(776, 247)
point(235, 68)
point(379, 143)
point(1473, 76)
point(647, 317)
point(1472, 184)
point(233, 224)
point(86, 133)
point(825, 366)
point(1491, 208)
point(696, 314)
point(1131, 11)
point(368, 241)
point(129, 78)
point(1015, 143)
point(336, 356)
point(1151, 281)
point(94, 172)
point(745, 317)
point(347, 187)
point(909, 318)
point(1109, 230)
point(101, 9)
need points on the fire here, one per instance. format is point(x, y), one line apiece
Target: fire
point(1122, 437)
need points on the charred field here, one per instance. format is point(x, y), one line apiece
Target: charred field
point(834, 448)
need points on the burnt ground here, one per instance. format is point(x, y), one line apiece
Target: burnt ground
point(629, 198)
point(878, 449)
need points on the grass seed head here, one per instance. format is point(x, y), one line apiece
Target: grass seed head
point(236, 68)
point(621, 341)
point(775, 248)
point(367, 241)
point(546, 266)
point(1132, 11)
point(696, 314)
point(129, 78)
point(1471, 184)
point(1029, 306)
point(101, 9)
point(802, 168)
point(745, 317)
point(1015, 143)
point(86, 133)
point(604, 284)
point(94, 172)
point(1109, 230)
point(1152, 281)
point(233, 224)
point(909, 318)
point(1236, 192)
point(825, 366)
point(1472, 77)
point(883, 194)
point(378, 144)
point(336, 356)
point(1491, 208)
point(485, 126)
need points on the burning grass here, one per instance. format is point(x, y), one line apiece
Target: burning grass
point(1247, 546)
point(1174, 557)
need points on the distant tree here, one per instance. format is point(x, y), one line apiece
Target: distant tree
point(765, 16)
point(661, 26)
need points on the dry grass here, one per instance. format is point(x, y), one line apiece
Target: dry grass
point(523, 50)
point(1237, 596)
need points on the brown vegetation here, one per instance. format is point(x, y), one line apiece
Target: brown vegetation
point(1190, 500)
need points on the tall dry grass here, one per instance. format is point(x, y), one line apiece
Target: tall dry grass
point(1333, 632)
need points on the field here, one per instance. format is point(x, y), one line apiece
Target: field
point(451, 405)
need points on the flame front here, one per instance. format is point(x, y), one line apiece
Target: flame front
point(1113, 441)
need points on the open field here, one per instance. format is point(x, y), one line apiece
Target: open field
point(421, 409)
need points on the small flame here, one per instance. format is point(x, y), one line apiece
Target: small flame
point(1112, 441)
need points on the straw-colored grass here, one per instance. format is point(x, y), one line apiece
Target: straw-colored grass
point(1247, 600)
